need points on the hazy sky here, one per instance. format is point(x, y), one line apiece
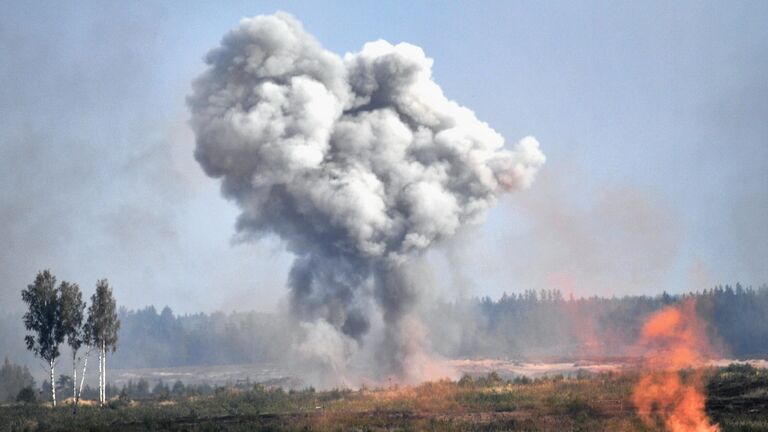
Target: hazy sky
point(653, 117)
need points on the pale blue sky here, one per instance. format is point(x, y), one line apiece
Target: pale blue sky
point(653, 117)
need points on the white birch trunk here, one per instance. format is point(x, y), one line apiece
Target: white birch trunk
point(74, 378)
point(105, 374)
point(100, 400)
point(103, 381)
point(53, 382)
point(82, 379)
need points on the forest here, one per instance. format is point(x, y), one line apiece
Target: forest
point(531, 325)
point(544, 325)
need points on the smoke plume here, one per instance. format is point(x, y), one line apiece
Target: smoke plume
point(358, 163)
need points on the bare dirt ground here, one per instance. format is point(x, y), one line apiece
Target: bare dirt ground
point(274, 375)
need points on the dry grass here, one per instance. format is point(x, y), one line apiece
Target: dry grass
point(594, 403)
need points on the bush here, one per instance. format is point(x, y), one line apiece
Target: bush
point(27, 395)
point(522, 379)
point(13, 378)
point(118, 403)
point(491, 380)
point(466, 381)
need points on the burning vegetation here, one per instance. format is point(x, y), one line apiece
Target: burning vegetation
point(674, 347)
point(586, 402)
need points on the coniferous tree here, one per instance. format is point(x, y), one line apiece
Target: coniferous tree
point(101, 329)
point(72, 309)
point(44, 319)
point(13, 378)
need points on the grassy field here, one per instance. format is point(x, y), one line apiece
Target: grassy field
point(737, 399)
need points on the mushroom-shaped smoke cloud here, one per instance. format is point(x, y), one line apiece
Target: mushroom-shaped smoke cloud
point(357, 163)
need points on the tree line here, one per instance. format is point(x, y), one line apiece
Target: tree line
point(56, 313)
point(14, 379)
point(547, 324)
point(527, 325)
point(531, 324)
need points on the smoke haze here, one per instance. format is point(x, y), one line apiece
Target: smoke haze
point(653, 116)
point(357, 163)
point(98, 177)
point(623, 241)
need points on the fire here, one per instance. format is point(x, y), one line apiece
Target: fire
point(673, 339)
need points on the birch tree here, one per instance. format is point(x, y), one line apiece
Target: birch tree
point(90, 344)
point(44, 319)
point(102, 327)
point(72, 309)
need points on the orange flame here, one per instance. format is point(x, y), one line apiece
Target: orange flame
point(673, 339)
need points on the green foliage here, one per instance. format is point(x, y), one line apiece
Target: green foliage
point(142, 388)
point(43, 316)
point(491, 380)
point(64, 385)
point(161, 391)
point(103, 324)
point(13, 378)
point(738, 380)
point(589, 403)
point(71, 309)
point(178, 389)
point(466, 381)
point(737, 390)
point(522, 379)
point(579, 408)
point(546, 323)
point(512, 326)
point(27, 395)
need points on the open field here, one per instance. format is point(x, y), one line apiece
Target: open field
point(274, 374)
point(737, 398)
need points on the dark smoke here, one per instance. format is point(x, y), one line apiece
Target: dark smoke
point(358, 164)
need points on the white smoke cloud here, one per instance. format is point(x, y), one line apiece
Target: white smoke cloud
point(329, 350)
point(356, 163)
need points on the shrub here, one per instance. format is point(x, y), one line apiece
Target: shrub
point(466, 381)
point(522, 379)
point(491, 380)
point(27, 395)
point(13, 378)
